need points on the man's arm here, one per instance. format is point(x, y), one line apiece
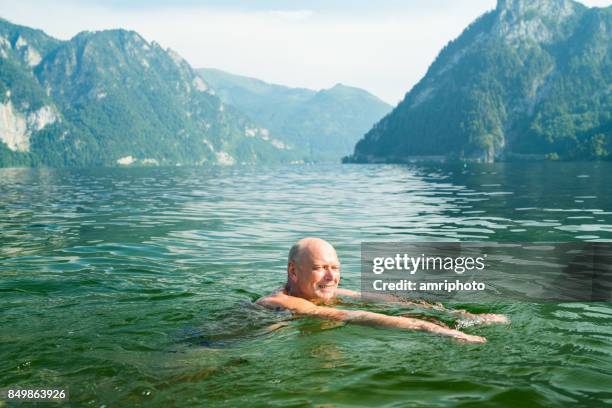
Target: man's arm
point(347, 292)
point(384, 297)
point(304, 307)
point(483, 318)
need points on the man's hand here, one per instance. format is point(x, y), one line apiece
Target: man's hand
point(469, 319)
point(493, 318)
point(468, 338)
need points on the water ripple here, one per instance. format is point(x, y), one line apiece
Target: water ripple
point(133, 286)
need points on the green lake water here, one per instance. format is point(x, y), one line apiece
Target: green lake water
point(134, 286)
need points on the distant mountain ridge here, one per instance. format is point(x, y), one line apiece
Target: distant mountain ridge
point(531, 79)
point(321, 125)
point(113, 98)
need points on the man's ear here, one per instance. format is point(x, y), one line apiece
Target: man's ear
point(292, 272)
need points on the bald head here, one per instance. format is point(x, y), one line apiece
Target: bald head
point(313, 269)
point(308, 245)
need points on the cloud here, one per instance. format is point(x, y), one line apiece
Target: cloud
point(291, 15)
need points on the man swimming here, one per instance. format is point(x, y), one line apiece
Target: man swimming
point(313, 275)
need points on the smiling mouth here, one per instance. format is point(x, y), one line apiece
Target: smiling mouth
point(330, 286)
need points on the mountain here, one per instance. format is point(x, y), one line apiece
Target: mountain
point(323, 125)
point(111, 97)
point(531, 79)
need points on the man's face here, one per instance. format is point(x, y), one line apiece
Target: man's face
point(316, 273)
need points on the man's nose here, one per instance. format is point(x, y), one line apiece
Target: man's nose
point(329, 273)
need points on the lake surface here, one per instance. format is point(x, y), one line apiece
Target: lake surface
point(134, 287)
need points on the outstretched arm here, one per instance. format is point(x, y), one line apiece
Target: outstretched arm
point(483, 318)
point(304, 307)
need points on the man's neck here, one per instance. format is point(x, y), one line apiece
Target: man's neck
point(288, 290)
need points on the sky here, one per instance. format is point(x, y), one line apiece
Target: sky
point(383, 46)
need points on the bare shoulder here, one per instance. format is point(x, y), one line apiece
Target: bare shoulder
point(280, 300)
point(273, 301)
